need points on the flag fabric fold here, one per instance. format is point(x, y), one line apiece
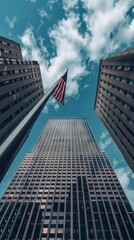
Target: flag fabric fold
point(59, 92)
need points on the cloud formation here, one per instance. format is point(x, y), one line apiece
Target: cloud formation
point(69, 4)
point(51, 3)
point(42, 13)
point(124, 175)
point(11, 21)
point(68, 43)
point(51, 102)
point(105, 140)
point(32, 1)
point(115, 162)
point(107, 25)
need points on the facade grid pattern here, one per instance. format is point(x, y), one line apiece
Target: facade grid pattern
point(115, 100)
point(9, 49)
point(20, 88)
point(65, 189)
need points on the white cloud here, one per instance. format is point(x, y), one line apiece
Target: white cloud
point(68, 43)
point(42, 46)
point(130, 195)
point(56, 106)
point(104, 134)
point(32, 1)
point(86, 85)
point(105, 144)
point(126, 33)
point(124, 175)
point(11, 22)
point(42, 13)
point(115, 162)
point(40, 25)
point(105, 140)
point(105, 19)
point(51, 3)
point(52, 102)
point(45, 110)
point(69, 4)
point(71, 48)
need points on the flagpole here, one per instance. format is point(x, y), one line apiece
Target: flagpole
point(11, 146)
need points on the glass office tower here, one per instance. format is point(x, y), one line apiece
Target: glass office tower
point(65, 189)
point(115, 100)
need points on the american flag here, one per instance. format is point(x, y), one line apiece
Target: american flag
point(59, 92)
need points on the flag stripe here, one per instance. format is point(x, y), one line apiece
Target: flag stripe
point(59, 89)
point(62, 93)
point(56, 90)
point(59, 92)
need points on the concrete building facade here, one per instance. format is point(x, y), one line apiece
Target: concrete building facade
point(115, 100)
point(21, 89)
point(9, 49)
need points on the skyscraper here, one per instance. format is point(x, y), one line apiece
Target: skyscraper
point(65, 189)
point(20, 90)
point(115, 100)
point(9, 49)
point(20, 87)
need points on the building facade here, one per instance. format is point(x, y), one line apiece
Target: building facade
point(20, 86)
point(65, 188)
point(9, 49)
point(115, 100)
point(21, 89)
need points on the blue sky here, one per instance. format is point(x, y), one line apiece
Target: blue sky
point(75, 34)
